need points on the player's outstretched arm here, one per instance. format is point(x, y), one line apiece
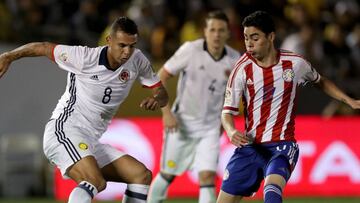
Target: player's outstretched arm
point(158, 99)
point(335, 92)
point(27, 50)
point(236, 138)
point(169, 121)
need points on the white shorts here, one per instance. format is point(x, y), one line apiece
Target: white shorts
point(199, 151)
point(65, 145)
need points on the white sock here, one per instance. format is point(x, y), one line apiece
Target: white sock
point(158, 189)
point(207, 194)
point(83, 193)
point(136, 193)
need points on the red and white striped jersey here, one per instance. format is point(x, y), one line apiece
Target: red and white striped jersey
point(268, 94)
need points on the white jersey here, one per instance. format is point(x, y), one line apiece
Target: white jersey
point(268, 94)
point(94, 92)
point(201, 84)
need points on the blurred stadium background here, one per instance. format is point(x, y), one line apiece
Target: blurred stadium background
point(326, 32)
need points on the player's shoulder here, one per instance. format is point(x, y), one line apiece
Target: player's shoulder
point(290, 55)
point(138, 55)
point(243, 61)
point(231, 52)
point(138, 59)
point(193, 45)
point(295, 58)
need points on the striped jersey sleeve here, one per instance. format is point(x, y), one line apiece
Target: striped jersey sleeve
point(235, 88)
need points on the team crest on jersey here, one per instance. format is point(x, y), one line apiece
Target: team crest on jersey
point(288, 75)
point(83, 146)
point(63, 56)
point(124, 75)
point(226, 174)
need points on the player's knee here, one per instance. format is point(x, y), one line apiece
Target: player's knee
point(102, 185)
point(206, 177)
point(144, 177)
point(98, 182)
point(168, 177)
point(147, 177)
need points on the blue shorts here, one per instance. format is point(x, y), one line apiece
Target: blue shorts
point(250, 164)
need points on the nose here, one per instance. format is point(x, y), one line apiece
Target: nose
point(249, 44)
point(126, 51)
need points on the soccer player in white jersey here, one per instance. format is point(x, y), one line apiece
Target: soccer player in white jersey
point(192, 128)
point(266, 80)
point(99, 80)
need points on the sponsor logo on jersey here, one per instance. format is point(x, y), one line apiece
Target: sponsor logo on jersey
point(94, 77)
point(63, 56)
point(171, 164)
point(124, 75)
point(83, 146)
point(288, 75)
point(249, 82)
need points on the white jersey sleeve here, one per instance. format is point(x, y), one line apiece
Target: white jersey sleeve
point(179, 60)
point(308, 73)
point(234, 90)
point(147, 75)
point(70, 58)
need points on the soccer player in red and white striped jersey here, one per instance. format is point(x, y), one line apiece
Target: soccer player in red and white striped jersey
point(266, 80)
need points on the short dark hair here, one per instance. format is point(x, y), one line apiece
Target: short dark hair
point(261, 20)
point(124, 24)
point(217, 14)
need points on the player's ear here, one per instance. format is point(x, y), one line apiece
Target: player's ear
point(108, 38)
point(272, 36)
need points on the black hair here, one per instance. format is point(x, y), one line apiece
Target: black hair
point(124, 24)
point(261, 20)
point(217, 14)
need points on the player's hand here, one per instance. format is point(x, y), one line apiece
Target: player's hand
point(170, 123)
point(355, 104)
point(4, 64)
point(149, 103)
point(238, 139)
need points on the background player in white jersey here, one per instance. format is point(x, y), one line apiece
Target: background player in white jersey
point(192, 128)
point(266, 79)
point(99, 80)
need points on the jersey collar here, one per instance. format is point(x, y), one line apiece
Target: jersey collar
point(103, 60)
point(206, 49)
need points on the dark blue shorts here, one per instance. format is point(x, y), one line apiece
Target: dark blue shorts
point(250, 164)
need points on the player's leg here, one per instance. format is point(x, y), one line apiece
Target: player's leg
point(228, 198)
point(275, 180)
point(131, 171)
point(278, 170)
point(89, 178)
point(206, 161)
point(73, 155)
point(159, 187)
point(177, 155)
point(207, 187)
point(243, 175)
